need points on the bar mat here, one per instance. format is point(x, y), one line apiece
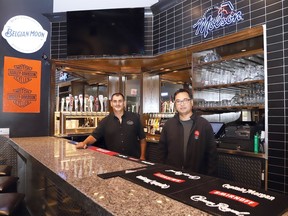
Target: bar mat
point(116, 154)
point(213, 195)
point(121, 172)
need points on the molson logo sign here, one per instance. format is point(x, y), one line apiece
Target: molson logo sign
point(216, 17)
point(24, 34)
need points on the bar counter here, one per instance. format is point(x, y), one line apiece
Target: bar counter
point(50, 162)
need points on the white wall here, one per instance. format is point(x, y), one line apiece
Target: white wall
point(73, 5)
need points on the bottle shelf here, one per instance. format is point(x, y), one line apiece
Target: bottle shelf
point(231, 86)
point(228, 108)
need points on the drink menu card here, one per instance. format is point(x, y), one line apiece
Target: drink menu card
point(209, 194)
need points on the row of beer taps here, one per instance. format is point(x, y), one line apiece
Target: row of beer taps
point(86, 103)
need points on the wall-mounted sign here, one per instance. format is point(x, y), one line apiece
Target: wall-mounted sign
point(24, 34)
point(216, 17)
point(21, 85)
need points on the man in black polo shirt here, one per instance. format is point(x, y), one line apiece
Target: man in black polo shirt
point(121, 131)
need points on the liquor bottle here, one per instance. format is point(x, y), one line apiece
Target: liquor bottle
point(256, 143)
point(145, 128)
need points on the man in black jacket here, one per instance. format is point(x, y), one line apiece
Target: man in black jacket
point(187, 140)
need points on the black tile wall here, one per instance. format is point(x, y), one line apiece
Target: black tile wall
point(276, 177)
point(275, 95)
point(257, 5)
point(278, 136)
point(273, 13)
point(170, 28)
point(258, 21)
point(277, 128)
point(276, 145)
point(58, 40)
point(277, 169)
point(274, 71)
point(275, 88)
point(275, 103)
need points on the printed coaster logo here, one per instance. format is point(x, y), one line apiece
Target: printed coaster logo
point(216, 17)
point(22, 73)
point(223, 207)
point(22, 97)
point(234, 197)
point(24, 34)
point(168, 178)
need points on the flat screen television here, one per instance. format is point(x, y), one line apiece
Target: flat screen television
point(218, 128)
point(108, 32)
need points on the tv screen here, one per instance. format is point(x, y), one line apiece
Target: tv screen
point(109, 32)
point(218, 128)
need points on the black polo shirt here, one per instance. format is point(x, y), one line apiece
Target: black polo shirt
point(122, 138)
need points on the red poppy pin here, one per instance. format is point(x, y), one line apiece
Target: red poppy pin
point(196, 134)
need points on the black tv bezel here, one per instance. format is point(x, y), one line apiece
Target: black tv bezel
point(138, 49)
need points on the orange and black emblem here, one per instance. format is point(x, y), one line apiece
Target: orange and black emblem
point(22, 73)
point(22, 97)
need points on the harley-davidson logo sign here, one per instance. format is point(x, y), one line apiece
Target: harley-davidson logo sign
point(22, 73)
point(22, 97)
point(21, 85)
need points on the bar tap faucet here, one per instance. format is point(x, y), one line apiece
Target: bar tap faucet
point(171, 106)
point(101, 102)
point(96, 104)
point(76, 103)
point(62, 104)
point(86, 100)
point(71, 101)
point(81, 102)
point(67, 103)
point(105, 102)
point(91, 100)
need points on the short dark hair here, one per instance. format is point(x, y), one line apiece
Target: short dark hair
point(183, 90)
point(118, 94)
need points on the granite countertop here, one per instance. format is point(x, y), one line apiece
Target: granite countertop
point(80, 169)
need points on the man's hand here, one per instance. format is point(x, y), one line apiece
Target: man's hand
point(81, 145)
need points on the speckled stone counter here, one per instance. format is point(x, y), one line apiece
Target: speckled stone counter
point(61, 180)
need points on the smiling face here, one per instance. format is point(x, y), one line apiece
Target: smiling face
point(183, 103)
point(117, 103)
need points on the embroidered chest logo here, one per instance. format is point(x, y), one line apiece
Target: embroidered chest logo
point(196, 134)
point(129, 122)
